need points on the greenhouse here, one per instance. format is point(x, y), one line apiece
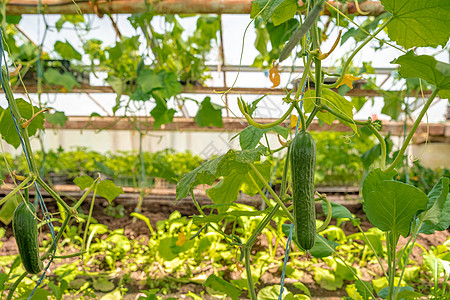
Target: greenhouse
point(232, 149)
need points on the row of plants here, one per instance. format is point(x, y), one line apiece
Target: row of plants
point(343, 165)
point(177, 252)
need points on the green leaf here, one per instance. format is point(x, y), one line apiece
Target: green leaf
point(108, 190)
point(425, 67)
point(171, 85)
point(116, 83)
point(250, 137)
point(267, 6)
point(209, 114)
point(66, 50)
point(66, 79)
point(227, 189)
point(222, 286)
point(148, 81)
point(285, 11)
point(338, 211)
point(220, 166)
point(273, 291)
point(7, 210)
point(393, 205)
point(83, 182)
point(374, 153)
point(392, 105)
point(418, 23)
point(327, 279)
point(56, 118)
point(103, 284)
point(161, 114)
point(437, 196)
point(322, 247)
point(7, 127)
point(363, 288)
point(279, 34)
point(373, 179)
point(39, 294)
point(334, 101)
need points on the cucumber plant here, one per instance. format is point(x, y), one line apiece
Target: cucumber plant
point(394, 207)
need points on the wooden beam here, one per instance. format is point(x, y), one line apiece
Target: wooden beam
point(32, 88)
point(100, 7)
point(435, 130)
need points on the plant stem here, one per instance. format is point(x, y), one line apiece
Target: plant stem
point(285, 172)
point(91, 209)
point(23, 131)
point(248, 270)
point(197, 205)
point(343, 117)
point(272, 192)
point(259, 190)
point(264, 126)
point(304, 77)
point(301, 116)
point(52, 193)
point(16, 189)
point(86, 193)
point(373, 250)
point(398, 158)
point(15, 284)
point(318, 90)
point(382, 145)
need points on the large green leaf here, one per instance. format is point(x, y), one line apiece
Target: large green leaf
point(439, 206)
point(66, 50)
point(269, 7)
point(148, 81)
point(393, 205)
point(65, 79)
point(209, 114)
point(279, 34)
point(162, 114)
point(227, 189)
point(425, 67)
point(322, 247)
point(285, 11)
point(56, 118)
point(373, 179)
point(418, 23)
point(232, 161)
point(334, 101)
point(108, 190)
point(223, 286)
point(7, 126)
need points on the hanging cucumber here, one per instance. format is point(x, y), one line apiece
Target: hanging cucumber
point(26, 234)
point(303, 160)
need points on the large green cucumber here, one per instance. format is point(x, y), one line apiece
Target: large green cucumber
point(303, 161)
point(26, 234)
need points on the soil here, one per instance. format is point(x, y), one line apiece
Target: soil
point(157, 211)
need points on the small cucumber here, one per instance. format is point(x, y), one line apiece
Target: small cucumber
point(303, 161)
point(26, 234)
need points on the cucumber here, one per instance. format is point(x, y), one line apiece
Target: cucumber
point(26, 234)
point(303, 161)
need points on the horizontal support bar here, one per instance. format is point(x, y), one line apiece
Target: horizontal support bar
point(100, 7)
point(230, 124)
point(197, 90)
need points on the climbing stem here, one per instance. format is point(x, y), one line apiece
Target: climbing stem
point(398, 158)
point(272, 192)
point(263, 126)
point(382, 144)
point(318, 89)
